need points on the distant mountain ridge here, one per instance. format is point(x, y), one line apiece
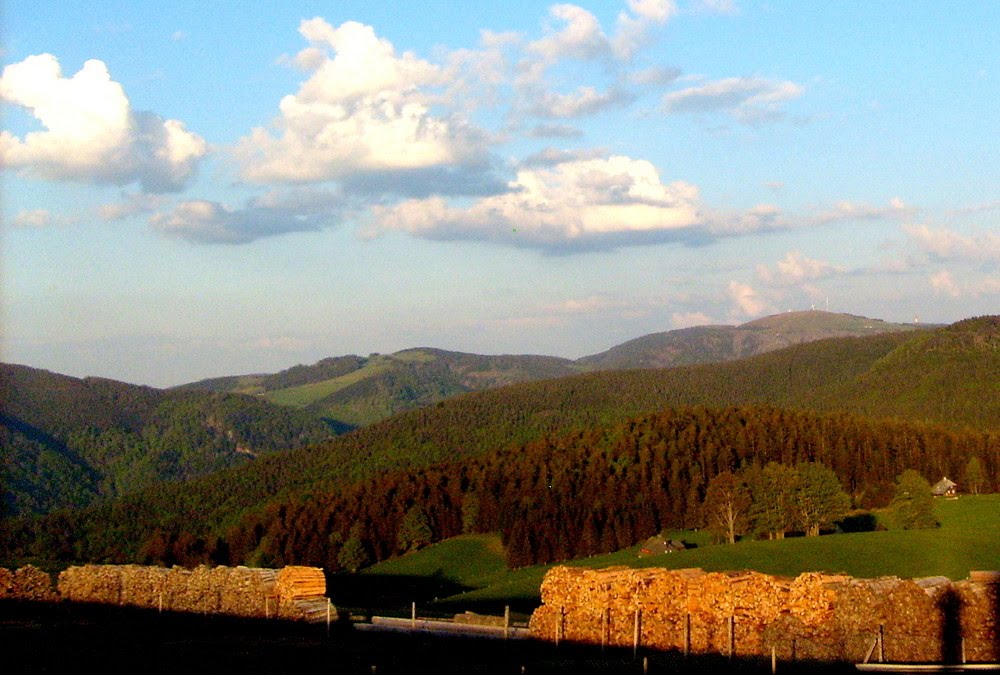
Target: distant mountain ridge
point(713, 344)
point(355, 391)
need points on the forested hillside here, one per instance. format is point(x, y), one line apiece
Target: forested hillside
point(713, 344)
point(830, 375)
point(69, 442)
point(578, 494)
point(562, 496)
point(352, 391)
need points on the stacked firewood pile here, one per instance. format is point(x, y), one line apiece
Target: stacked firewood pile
point(26, 583)
point(980, 611)
point(296, 582)
point(815, 615)
point(236, 591)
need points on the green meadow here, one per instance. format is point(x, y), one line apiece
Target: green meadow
point(306, 394)
point(968, 539)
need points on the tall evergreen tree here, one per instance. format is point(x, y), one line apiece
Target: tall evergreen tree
point(973, 476)
point(353, 555)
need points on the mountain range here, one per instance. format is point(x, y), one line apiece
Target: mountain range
point(351, 391)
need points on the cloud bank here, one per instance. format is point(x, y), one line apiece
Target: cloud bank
point(275, 213)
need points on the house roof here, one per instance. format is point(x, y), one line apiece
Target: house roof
point(943, 486)
point(660, 544)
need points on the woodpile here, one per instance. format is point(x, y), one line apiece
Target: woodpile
point(291, 593)
point(92, 583)
point(980, 612)
point(26, 583)
point(814, 616)
point(296, 582)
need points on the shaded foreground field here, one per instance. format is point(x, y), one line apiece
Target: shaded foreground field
point(41, 638)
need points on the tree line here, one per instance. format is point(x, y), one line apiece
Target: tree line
point(571, 494)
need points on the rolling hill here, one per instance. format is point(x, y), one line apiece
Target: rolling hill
point(70, 442)
point(712, 344)
point(353, 391)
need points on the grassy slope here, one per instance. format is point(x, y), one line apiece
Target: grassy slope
point(303, 395)
point(968, 539)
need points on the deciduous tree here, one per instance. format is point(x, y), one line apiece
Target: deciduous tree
point(818, 500)
point(727, 506)
point(913, 505)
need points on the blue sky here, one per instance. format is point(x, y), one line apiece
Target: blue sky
point(191, 192)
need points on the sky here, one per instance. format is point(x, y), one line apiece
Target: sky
point(192, 190)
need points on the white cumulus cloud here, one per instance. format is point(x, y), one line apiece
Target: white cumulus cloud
point(92, 134)
point(746, 300)
point(580, 36)
point(576, 204)
point(946, 244)
point(943, 283)
point(634, 25)
point(364, 109)
point(797, 269)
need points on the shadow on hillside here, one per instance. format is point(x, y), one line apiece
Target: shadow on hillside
point(338, 427)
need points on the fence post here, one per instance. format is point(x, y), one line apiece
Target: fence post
point(881, 643)
point(506, 621)
point(636, 633)
point(774, 660)
point(328, 603)
point(413, 615)
point(732, 636)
